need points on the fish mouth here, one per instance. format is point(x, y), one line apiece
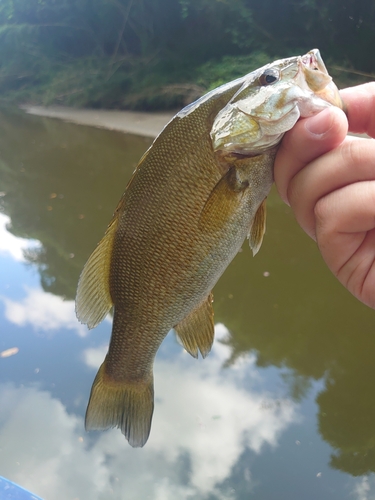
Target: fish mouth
point(313, 70)
point(258, 115)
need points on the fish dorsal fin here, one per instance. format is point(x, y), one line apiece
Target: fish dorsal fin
point(93, 299)
point(196, 331)
point(258, 228)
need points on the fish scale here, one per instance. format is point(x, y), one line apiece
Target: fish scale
point(195, 196)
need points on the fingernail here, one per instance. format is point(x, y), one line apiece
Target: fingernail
point(320, 124)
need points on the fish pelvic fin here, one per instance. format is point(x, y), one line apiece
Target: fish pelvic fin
point(258, 228)
point(196, 331)
point(93, 299)
point(126, 405)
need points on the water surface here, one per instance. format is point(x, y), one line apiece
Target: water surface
point(282, 408)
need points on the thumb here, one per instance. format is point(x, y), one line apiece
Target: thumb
point(308, 139)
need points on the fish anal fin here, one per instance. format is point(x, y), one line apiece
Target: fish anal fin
point(258, 228)
point(224, 200)
point(93, 299)
point(126, 405)
point(196, 331)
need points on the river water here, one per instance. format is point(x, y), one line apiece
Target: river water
point(282, 408)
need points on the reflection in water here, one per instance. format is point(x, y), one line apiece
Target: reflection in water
point(59, 184)
point(299, 318)
point(347, 414)
point(195, 450)
point(43, 311)
point(362, 490)
point(10, 244)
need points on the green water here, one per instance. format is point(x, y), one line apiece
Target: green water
point(283, 407)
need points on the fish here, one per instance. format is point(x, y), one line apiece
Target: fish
point(197, 193)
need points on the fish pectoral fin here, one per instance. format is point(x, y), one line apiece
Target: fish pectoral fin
point(224, 200)
point(126, 405)
point(258, 228)
point(93, 299)
point(196, 331)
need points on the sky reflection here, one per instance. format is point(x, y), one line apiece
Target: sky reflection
point(43, 311)
point(211, 415)
point(12, 245)
point(205, 417)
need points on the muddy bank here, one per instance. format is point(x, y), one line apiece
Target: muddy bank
point(132, 122)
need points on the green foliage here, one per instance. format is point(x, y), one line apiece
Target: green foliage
point(214, 73)
point(162, 53)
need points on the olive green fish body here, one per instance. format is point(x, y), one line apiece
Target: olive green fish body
point(196, 195)
point(158, 247)
point(165, 250)
point(167, 256)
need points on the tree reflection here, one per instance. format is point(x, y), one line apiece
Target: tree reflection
point(300, 319)
point(347, 410)
point(62, 183)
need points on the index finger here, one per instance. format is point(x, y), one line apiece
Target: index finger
point(360, 102)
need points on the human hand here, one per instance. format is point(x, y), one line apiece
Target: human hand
point(328, 178)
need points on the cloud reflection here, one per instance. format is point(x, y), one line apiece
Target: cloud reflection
point(12, 245)
point(43, 311)
point(209, 415)
point(205, 418)
point(362, 489)
point(41, 449)
point(225, 416)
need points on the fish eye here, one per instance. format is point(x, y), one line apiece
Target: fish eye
point(269, 76)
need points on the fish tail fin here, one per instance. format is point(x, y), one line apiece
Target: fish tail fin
point(126, 405)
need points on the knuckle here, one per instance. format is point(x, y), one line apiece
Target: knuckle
point(293, 192)
point(327, 221)
point(321, 211)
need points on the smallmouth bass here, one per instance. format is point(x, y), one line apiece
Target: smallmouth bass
point(196, 194)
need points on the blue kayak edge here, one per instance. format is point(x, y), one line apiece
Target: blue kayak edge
point(12, 491)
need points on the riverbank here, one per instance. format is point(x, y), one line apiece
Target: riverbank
point(132, 122)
